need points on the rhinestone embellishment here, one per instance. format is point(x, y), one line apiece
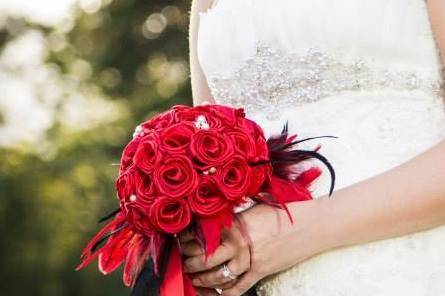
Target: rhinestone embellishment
point(271, 80)
point(201, 123)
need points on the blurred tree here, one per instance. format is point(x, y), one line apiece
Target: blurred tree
point(131, 49)
point(132, 53)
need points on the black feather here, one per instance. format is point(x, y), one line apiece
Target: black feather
point(105, 237)
point(110, 215)
point(165, 256)
point(147, 284)
point(307, 139)
point(283, 158)
point(307, 154)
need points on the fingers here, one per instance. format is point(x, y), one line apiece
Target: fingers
point(199, 263)
point(186, 236)
point(245, 282)
point(216, 278)
point(206, 292)
point(226, 285)
point(213, 278)
point(191, 249)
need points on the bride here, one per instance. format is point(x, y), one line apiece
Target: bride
point(368, 72)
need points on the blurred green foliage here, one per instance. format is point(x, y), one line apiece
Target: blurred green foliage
point(134, 52)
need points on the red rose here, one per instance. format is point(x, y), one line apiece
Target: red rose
point(180, 108)
point(189, 114)
point(161, 120)
point(234, 178)
point(259, 175)
point(217, 116)
point(176, 177)
point(127, 154)
point(125, 185)
point(176, 138)
point(146, 154)
point(240, 113)
point(138, 217)
point(145, 188)
point(243, 142)
point(227, 115)
point(262, 173)
point(184, 113)
point(262, 149)
point(207, 200)
point(171, 215)
point(250, 127)
point(210, 147)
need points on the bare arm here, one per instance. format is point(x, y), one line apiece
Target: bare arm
point(405, 199)
point(200, 89)
point(436, 10)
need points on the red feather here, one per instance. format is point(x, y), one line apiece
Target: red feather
point(88, 259)
point(307, 177)
point(157, 243)
point(189, 290)
point(176, 282)
point(284, 191)
point(115, 251)
point(174, 276)
point(290, 139)
point(212, 227)
point(138, 254)
point(88, 254)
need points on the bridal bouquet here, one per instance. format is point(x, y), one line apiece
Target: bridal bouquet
point(190, 168)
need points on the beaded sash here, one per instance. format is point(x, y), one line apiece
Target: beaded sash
point(271, 80)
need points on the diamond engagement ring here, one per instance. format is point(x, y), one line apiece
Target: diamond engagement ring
point(227, 273)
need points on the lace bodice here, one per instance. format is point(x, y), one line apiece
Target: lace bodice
point(365, 71)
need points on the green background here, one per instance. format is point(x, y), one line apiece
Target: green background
point(131, 53)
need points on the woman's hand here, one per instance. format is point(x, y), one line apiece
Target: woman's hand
point(275, 245)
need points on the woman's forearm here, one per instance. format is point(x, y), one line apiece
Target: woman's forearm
point(406, 199)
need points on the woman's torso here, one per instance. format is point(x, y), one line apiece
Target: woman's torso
point(366, 71)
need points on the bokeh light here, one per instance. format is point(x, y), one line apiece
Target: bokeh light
point(76, 76)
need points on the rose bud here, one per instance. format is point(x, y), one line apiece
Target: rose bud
point(147, 153)
point(145, 188)
point(176, 138)
point(243, 142)
point(211, 148)
point(171, 215)
point(128, 154)
point(234, 178)
point(207, 200)
point(175, 176)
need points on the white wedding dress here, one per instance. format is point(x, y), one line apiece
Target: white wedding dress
point(367, 71)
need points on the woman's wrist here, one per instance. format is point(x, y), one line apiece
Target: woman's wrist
point(320, 223)
point(335, 222)
point(327, 224)
point(311, 232)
